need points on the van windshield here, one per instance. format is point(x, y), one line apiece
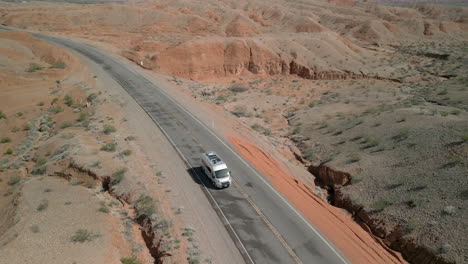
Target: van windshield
point(222, 173)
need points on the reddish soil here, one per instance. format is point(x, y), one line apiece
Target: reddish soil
point(357, 244)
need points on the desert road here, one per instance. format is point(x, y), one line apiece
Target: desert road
point(263, 225)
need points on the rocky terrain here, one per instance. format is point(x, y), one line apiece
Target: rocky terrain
point(372, 99)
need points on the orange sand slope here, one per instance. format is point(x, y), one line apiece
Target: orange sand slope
point(355, 243)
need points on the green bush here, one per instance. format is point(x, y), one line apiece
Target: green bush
point(129, 138)
point(13, 180)
point(58, 65)
point(83, 235)
point(354, 158)
point(35, 229)
point(26, 127)
point(34, 67)
point(238, 89)
point(41, 170)
point(221, 98)
point(82, 117)
point(9, 151)
point(104, 208)
point(130, 260)
point(381, 204)
point(5, 140)
point(402, 135)
point(443, 92)
point(256, 127)
point(464, 138)
point(295, 131)
point(19, 114)
point(357, 178)
point(43, 205)
point(108, 129)
point(41, 161)
point(66, 125)
point(2, 115)
point(144, 205)
point(118, 176)
point(240, 111)
point(91, 97)
point(109, 147)
point(56, 109)
point(40, 104)
point(68, 100)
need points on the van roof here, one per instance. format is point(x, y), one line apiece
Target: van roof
point(213, 158)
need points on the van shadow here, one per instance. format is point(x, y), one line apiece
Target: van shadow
point(199, 176)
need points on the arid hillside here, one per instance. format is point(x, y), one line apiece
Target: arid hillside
point(371, 99)
point(74, 182)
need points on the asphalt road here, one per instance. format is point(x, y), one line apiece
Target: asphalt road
point(263, 225)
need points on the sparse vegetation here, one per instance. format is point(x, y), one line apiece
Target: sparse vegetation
point(109, 147)
point(295, 131)
point(104, 208)
point(9, 151)
point(449, 210)
point(354, 158)
point(238, 89)
point(5, 140)
point(68, 100)
point(26, 127)
point(40, 170)
point(118, 176)
point(127, 152)
point(108, 129)
point(34, 67)
point(83, 235)
point(56, 109)
point(82, 117)
point(357, 178)
point(240, 111)
point(129, 138)
point(464, 138)
point(66, 125)
point(58, 65)
point(381, 204)
point(2, 115)
point(13, 180)
point(144, 205)
point(35, 229)
point(402, 135)
point(445, 248)
point(43, 205)
point(130, 260)
point(40, 104)
point(91, 97)
point(410, 226)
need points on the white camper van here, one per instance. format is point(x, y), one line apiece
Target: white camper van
point(216, 169)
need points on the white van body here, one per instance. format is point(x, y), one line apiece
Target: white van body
point(216, 170)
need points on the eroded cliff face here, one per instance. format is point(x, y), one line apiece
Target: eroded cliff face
point(203, 59)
